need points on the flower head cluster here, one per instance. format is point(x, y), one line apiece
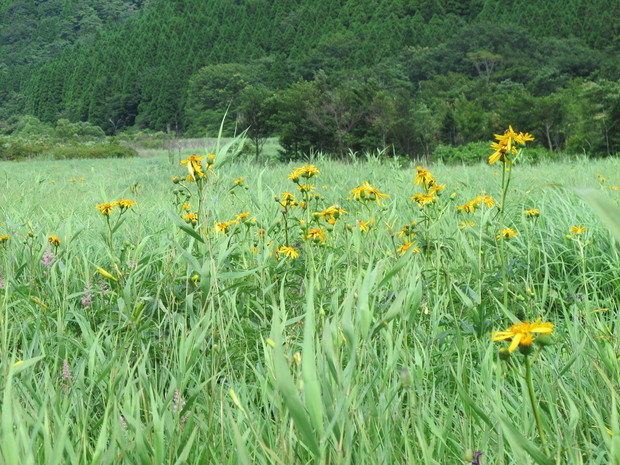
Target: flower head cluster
point(287, 252)
point(575, 232)
point(521, 333)
point(53, 240)
point(306, 172)
point(470, 207)
point(190, 218)
point(330, 214)
point(507, 233)
point(532, 213)
point(107, 208)
point(195, 169)
point(366, 192)
point(317, 235)
point(406, 246)
point(505, 145)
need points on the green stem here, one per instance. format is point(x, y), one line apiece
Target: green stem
point(533, 403)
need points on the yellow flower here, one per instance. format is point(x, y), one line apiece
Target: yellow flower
point(316, 234)
point(306, 171)
point(365, 225)
point(223, 227)
point(305, 187)
point(488, 201)
point(507, 233)
point(239, 181)
point(53, 240)
point(4, 237)
point(367, 192)
point(521, 333)
point(423, 199)
point(106, 208)
point(436, 188)
point(578, 230)
point(532, 212)
point(333, 212)
point(406, 246)
point(469, 207)
point(125, 204)
point(464, 224)
point(186, 206)
point(505, 145)
point(288, 200)
point(175, 179)
point(287, 251)
point(408, 230)
point(190, 218)
point(194, 166)
point(424, 177)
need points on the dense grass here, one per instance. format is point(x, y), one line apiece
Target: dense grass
point(222, 352)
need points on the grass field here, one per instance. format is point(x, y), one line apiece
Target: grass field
point(153, 340)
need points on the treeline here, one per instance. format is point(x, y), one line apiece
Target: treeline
point(328, 75)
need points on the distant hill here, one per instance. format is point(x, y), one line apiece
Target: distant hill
point(121, 63)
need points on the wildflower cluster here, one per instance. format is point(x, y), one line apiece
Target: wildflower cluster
point(506, 145)
point(367, 193)
point(195, 169)
point(107, 208)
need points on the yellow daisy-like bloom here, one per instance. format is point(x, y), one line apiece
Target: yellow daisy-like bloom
point(505, 145)
point(4, 237)
point(424, 177)
point(507, 233)
point(577, 230)
point(408, 230)
point(316, 234)
point(469, 207)
point(124, 204)
point(333, 212)
point(464, 224)
point(436, 188)
point(521, 333)
point(194, 166)
point(239, 181)
point(306, 171)
point(532, 212)
point(106, 208)
point(287, 251)
point(190, 218)
point(288, 200)
point(186, 206)
point(488, 201)
point(176, 179)
point(55, 241)
point(305, 187)
point(423, 199)
point(402, 250)
point(365, 225)
point(223, 226)
point(367, 192)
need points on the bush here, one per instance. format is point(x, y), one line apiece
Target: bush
point(107, 150)
point(475, 152)
point(16, 148)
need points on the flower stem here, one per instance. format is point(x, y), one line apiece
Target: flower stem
point(533, 403)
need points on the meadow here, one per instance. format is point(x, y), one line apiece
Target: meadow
point(294, 314)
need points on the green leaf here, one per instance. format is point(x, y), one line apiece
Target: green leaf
point(176, 219)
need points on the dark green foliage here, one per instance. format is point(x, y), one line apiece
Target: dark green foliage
point(339, 75)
